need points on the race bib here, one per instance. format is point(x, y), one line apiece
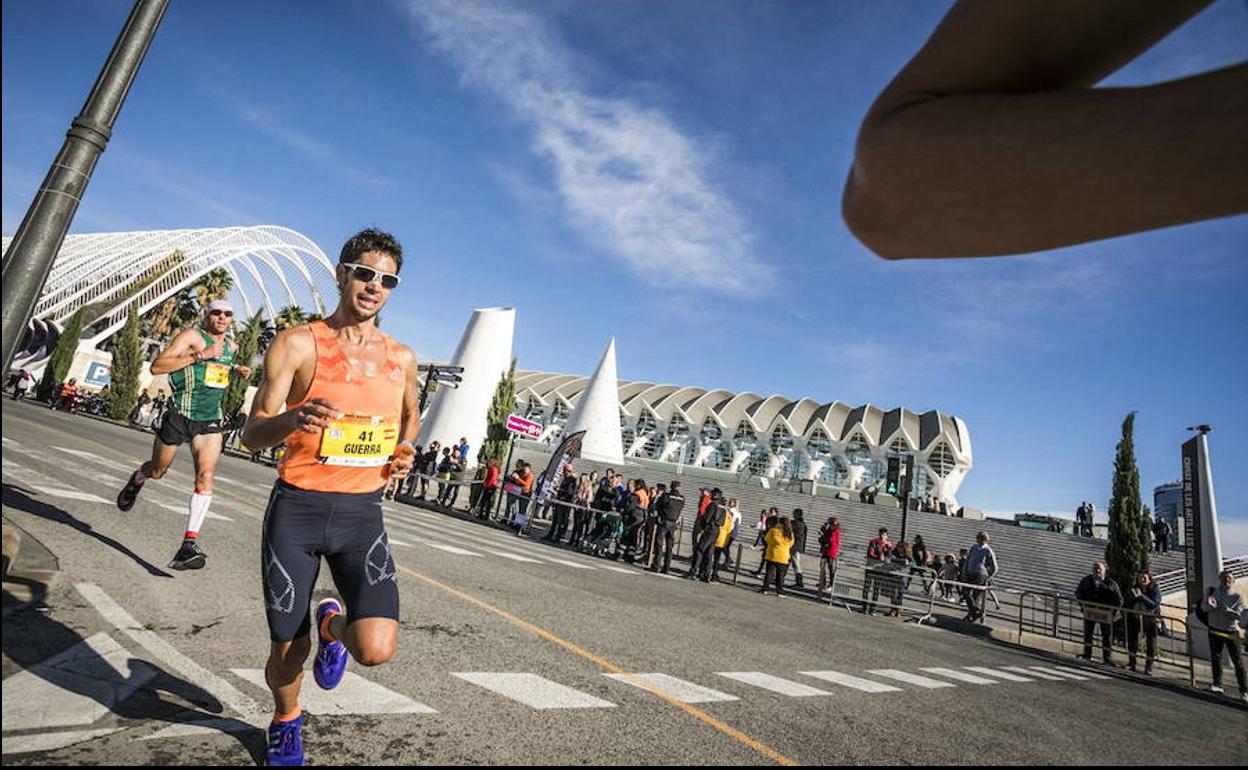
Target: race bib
point(217, 375)
point(359, 440)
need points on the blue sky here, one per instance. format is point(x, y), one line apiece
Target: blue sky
point(668, 174)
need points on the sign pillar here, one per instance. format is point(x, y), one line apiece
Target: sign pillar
point(1200, 520)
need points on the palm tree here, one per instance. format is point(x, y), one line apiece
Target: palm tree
point(291, 315)
point(213, 285)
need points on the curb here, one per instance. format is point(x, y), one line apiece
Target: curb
point(29, 567)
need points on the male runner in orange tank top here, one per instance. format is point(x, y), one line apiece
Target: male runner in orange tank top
point(343, 397)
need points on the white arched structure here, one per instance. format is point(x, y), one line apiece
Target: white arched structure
point(111, 270)
point(833, 443)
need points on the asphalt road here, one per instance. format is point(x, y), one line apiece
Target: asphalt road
point(511, 652)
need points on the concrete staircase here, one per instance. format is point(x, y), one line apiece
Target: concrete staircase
point(1028, 558)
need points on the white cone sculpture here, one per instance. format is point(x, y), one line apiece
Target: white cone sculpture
point(485, 353)
point(598, 413)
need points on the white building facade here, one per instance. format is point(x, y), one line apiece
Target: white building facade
point(834, 444)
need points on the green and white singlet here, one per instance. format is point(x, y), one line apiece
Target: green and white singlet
point(199, 388)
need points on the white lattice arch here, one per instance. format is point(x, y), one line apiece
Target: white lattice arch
point(103, 267)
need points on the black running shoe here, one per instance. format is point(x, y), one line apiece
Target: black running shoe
point(189, 556)
point(128, 494)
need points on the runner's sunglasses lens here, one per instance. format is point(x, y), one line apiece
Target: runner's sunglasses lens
point(226, 313)
point(368, 275)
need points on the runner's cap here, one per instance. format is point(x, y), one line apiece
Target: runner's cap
point(219, 304)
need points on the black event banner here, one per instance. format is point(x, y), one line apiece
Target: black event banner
point(569, 449)
point(1192, 471)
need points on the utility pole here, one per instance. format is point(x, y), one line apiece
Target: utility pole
point(37, 241)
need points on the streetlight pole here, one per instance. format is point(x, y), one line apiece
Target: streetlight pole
point(37, 241)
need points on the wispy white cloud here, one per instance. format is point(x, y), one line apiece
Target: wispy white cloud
point(269, 122)
point(628, 178)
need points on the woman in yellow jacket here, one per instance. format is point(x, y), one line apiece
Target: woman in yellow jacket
point(722, 539)
point(776, 558)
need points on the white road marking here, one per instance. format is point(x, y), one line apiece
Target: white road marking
point(681, 690)
point(73, 688)
point(11, 443)
point(534, 691)
point(194, 673)
point(623, 570)
point(451, 549)
point(182, 510)
point(857, 683)
point(908, 678)
point(1059, 673)
point(961, 676)
point(999, 674)
point(1082, 672)
point(69, 494)
point(18, 744)
point(354, 695)
point(774, 683)
point(392, 541)
point(512, 556)
point(93, 457)
point(567, 563)
point(1039, 674)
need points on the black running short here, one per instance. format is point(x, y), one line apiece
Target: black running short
point(176, 429)
point(301, 526)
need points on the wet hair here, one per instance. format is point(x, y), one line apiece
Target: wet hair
point(370, 239)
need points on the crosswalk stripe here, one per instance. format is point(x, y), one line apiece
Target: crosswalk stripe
point(20, 744)
point(773, 683)
point(1082, 672)
point(75, 687)
point(1059, 673)
point(532, 690)
point(567, 563)
point(1039, 674)
point(353, 695)
point(165, 652)
point(681, 690)
point(856, 683)
point(908, 678)
point(451, 549)
point(69, 494)
point(182, 510)
point(999, 674)
point(512, 556)
point(93, 457)
point(961, 676)
point(622, 570)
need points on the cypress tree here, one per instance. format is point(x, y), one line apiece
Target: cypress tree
point(62, 357)
point(127, 366)
point(497, 437)
point(1126, 553)
point(247, 346)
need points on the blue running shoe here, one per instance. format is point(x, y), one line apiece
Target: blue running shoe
point(331, 657)
point(285, 744)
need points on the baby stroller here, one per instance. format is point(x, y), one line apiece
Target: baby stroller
point(606, 535)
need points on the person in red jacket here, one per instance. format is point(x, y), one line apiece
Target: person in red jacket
point(879, 550)
point(829, 552)
point(489, 487)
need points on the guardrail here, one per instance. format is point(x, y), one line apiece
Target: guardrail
point(1070, 620)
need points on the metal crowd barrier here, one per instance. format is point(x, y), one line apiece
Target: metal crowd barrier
point(886, 585)
point(1062, 618)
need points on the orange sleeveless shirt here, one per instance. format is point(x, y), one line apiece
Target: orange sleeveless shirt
point(372, 409)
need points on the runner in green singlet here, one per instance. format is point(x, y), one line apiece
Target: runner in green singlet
point(199, 362)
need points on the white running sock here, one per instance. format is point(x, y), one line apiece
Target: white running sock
point(198, 512)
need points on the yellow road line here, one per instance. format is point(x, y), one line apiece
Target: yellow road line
point(702, 716)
